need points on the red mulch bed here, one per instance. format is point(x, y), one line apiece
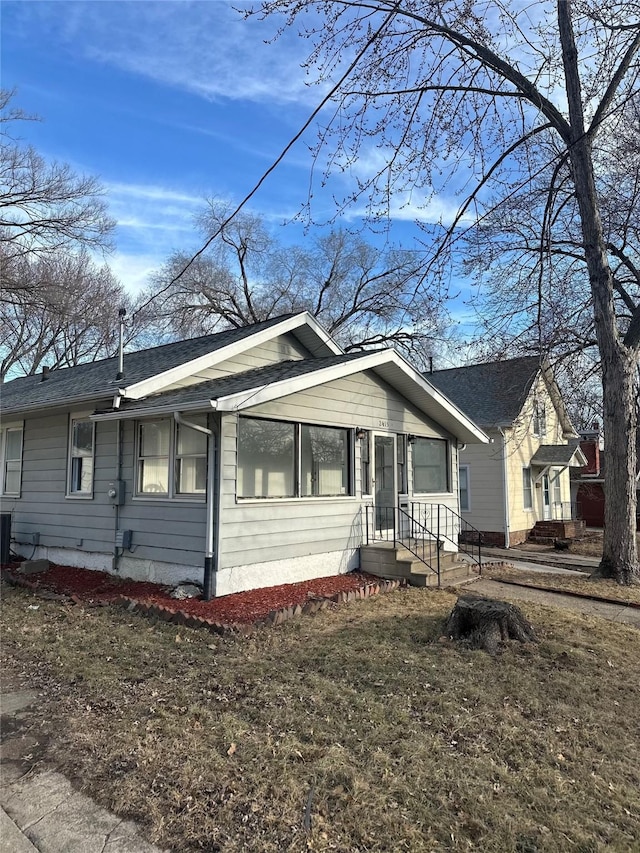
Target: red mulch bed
point(90, 586)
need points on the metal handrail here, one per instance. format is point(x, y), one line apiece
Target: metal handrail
point(412, 534)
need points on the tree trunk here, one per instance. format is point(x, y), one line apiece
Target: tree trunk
point(619, 359)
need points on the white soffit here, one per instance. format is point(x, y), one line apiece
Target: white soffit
point(305, 327)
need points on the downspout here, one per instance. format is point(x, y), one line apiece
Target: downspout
point(210, 557)
point(505, 487)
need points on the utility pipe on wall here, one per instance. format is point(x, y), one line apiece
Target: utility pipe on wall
point(210, 556)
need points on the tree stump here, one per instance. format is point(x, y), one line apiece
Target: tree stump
point(483, 623)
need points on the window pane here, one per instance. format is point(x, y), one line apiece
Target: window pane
point(191, 475)
point(12, 477)
point(526, 488)
point(154, 438)
point(365, 467)
point(82, 443)
point(464, 487)
point(82, 474)
point(266, 459)
point(191, 442)
point(13, 448)
point(324, 460)
point(430, 465)
point(153, 476)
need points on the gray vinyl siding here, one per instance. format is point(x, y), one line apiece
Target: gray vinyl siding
point(43, 508)
point(256, 531)
point(283, 348)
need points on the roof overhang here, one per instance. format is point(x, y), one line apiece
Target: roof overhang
point(559, 456)
point(388, 365)
point(304, 327)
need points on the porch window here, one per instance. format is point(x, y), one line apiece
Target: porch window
point(401, 452)
point(430, 465)
point(365, 464)
point(172, 459)
point(279, 459)
point(81, 457)
point(324, 456)
point(11, 455)
point(463, 485)
point(527, 490)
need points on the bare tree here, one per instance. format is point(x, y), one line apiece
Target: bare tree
point(64, 312)
point(459, 95)
point(44, 207)
point(363, 295)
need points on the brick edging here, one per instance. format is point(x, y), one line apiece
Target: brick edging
point(275, 617)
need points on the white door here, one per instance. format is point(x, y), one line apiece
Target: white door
point(384, 482)
point(546, 498)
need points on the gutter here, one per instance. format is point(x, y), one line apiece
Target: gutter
point(505, 487)
point(212, 542)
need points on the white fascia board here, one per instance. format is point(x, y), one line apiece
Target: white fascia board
point(426, 397)
point(155, 384)
point(154, 411)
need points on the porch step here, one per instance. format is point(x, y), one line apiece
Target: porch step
point(386, 560)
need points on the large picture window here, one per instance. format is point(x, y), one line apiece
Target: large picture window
point(81, 457)
point(278, 459)
point(430, 465)
point(11, 457)
point(172, 459)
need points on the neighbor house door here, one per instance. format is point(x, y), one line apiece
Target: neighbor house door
point(384, 483)
point(546, 498)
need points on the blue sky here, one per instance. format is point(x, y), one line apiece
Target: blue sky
point(169, 102)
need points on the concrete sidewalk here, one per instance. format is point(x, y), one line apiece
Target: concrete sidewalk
point(510, 592)
point(555, 559)
point(41, 813)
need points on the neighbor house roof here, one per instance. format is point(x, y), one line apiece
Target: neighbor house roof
point(559, 455)
point(148, 370)
point(493, 393)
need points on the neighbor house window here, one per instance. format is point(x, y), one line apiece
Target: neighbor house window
point(278, 459)
point(527, 491)
point(11, 456)
point(430, 465)
point(81, 457)
point(463, 486)
point(172, 459)
point(539, 418)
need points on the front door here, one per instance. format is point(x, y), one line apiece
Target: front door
point(384, 484)
point(546, 498)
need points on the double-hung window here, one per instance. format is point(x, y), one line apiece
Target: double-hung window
point(172, 459)
point(11, 457)
point(539, 418)
point(430, 465)
point(278, 459)
point(81, 457)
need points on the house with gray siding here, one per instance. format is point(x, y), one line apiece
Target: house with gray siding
point(243, 459)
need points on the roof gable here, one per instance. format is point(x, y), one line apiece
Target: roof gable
point(152, 369)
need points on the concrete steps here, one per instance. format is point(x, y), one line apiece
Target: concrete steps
point(391, 561)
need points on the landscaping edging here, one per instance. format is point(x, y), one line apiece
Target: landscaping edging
point(274, 618)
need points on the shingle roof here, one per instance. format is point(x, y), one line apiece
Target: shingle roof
point(98, 379)
point(556, 454)
point(235, 383)
point(491, 394)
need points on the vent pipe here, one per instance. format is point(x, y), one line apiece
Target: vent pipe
point(122, 313)
point(430, 365)
point(45, 373)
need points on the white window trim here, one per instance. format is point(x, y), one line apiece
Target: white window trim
point(448, 491)
point(6, 427)
point(79, 496)
point(539, 406)
point(171, 495)
point(468, 507)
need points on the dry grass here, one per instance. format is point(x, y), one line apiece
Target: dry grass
point(575, 582)
point(390, 739)
point(590, 545)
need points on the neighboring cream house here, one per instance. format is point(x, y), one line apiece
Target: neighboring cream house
point(520, 481)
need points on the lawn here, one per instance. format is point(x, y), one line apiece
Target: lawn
point(352, 730)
